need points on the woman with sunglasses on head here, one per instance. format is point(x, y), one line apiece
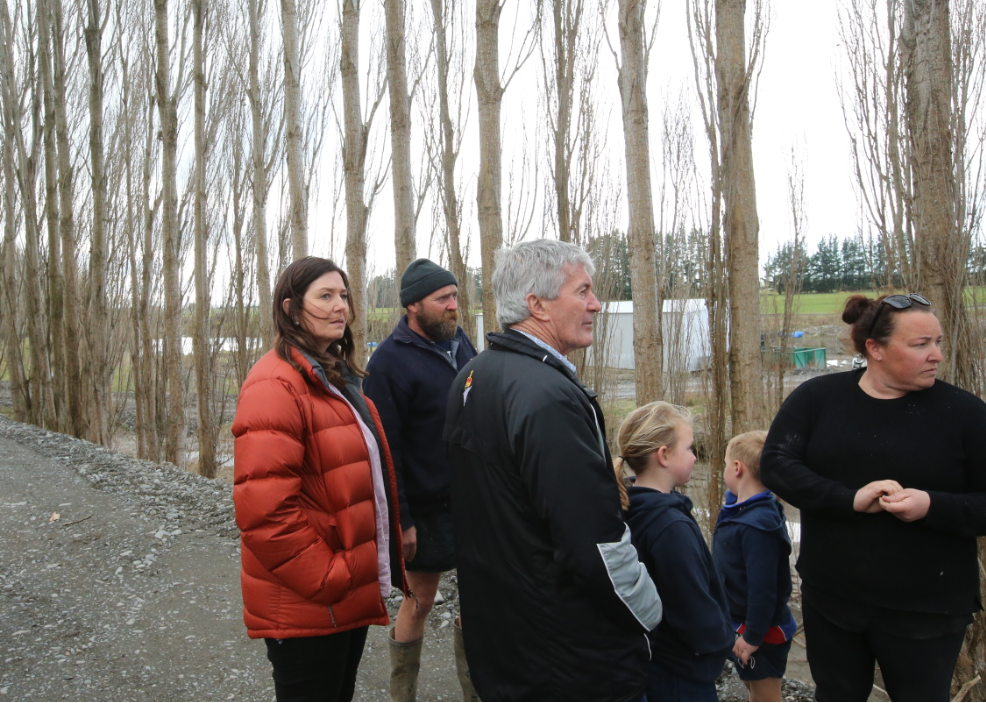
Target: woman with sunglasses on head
point(888, 467)
point(315, 493)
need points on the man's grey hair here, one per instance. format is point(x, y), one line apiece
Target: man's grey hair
point(537, 267)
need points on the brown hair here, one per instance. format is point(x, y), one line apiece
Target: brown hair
point(860, 312)
point(293, 284)
point(643, 432)
point(746, 448)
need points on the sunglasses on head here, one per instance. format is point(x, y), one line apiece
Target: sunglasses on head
point(899, 302)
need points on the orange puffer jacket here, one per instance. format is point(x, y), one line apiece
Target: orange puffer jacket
point(304, 505)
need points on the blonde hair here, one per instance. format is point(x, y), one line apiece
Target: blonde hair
point(746, 448)
point(643, 432)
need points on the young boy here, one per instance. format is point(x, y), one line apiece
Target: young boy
point(751, 549)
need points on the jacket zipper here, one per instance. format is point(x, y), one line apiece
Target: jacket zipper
point(332, 615)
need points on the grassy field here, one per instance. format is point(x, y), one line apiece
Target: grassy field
point(809, 303)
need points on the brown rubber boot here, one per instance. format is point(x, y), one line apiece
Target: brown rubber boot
point(461, 665)
point(405, 660)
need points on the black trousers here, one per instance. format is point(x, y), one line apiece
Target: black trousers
point(842, 662)
point(317, 668)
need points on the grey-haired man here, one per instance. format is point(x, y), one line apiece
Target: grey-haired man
point(557, 603)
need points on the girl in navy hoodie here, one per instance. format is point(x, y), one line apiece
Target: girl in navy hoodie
point(690, 646)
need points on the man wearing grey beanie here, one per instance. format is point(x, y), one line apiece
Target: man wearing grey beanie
point(408, 379)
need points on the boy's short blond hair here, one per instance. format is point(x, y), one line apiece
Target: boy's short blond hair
point(746, 448)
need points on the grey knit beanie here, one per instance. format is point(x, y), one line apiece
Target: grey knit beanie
point(422, 277)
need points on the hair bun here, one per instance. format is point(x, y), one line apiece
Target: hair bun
point(856, 307)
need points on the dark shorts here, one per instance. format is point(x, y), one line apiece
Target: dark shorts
point(768, 662)
point(436, 543)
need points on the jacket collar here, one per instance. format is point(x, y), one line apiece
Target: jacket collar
point(514, 341)
point(315, 371)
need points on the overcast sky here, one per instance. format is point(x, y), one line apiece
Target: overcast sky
point(797, 107)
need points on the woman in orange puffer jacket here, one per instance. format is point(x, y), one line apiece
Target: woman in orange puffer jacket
point(315, 493)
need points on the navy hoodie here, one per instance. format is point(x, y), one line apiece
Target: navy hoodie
point(751, 549)
point(408, 379)
point(695, 636)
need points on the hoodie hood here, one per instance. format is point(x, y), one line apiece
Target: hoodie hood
point(762, 511)
point(651, 509)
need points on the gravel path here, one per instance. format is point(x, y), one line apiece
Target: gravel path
point(133, 592)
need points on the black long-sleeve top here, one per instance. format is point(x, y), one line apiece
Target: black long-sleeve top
point(830, 438)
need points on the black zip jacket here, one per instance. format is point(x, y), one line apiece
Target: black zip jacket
point(408, 379)
point(555, 602)
point(695, 637)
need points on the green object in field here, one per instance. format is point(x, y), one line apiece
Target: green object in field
point(799, 357)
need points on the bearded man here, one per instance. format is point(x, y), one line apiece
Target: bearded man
point(408, 378)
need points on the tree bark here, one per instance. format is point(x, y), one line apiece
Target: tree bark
point(200, 340)
point(97, 331)
point(78, 420)
point(56, 345)
point(741, 222)
point(941, 251)
point(168, 115)
point(354, 157)
point(20, 394)
point(400, 134)
point(259, 155)
point(153, 407)
point(647, 342)
point(489, 94)
point(295, 140)
point(451, 207)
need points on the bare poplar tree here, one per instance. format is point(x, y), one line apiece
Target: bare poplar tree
point(261, 123)
point(447, 20)
point(400, 133)
point(940, 247)
point(702, 42)
point(734, 77)
point(355, 141)
point(489, 94)
point(647, 344)
point(72, 311)
point(20, 394)
point(55, 307)
point(200, 338)
point(98, 369)
point(167, 102)
point(295, 137)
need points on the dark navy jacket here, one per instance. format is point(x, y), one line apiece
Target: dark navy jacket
point(695, 636)
point(408, 378)
point(751, 549)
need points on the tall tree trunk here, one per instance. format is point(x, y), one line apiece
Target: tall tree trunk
point(41, 407)
point(941, 251)
point(566, 27)
point(400, 134)
point(20, 394)
point(168, 111)
point(295, 140)
point(153, 406)
point(742, 225)
point(354, 157)
point(200, 340)
point(450, 200)
point(97, 331)
point(78, 419)
point(56, 346)
point(489, 94)
point(259, 155)
point(647, 342)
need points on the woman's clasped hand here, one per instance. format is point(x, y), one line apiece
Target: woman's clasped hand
point(907, 504)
